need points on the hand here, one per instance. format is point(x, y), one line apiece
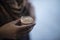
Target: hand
point(10, 30)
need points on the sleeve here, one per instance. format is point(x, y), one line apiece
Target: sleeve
point(4, 16)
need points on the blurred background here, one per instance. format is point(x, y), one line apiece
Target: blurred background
point(47, 20)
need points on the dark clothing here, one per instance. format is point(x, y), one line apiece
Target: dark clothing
point(7, 15)
point(26, 37)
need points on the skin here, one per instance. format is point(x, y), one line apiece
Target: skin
point(11, 30)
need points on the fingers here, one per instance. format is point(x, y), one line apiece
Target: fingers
point(14, 21)
point(25, 29)
point(24, 26)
